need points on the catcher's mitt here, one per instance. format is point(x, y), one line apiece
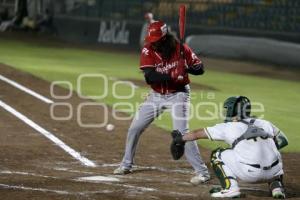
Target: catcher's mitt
point(177, 145)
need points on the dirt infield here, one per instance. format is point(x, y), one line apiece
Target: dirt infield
point(33, 167)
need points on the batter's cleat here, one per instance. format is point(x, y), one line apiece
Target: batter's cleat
point(278, 193)
point(198, 179)
point(231, 193)
point(122, 171)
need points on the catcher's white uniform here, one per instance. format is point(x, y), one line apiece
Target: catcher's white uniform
point(253, 160)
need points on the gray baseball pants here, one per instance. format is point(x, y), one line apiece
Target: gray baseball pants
point(156, 103)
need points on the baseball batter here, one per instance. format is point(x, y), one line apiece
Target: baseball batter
point(167, 74)
point(254, 154)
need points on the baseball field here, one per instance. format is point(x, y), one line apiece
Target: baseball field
point(54, 97)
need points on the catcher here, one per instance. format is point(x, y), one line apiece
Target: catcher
point(254, 154)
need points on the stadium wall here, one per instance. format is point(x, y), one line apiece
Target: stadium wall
point(247, 48)
point(125, 34)
point(119, 34)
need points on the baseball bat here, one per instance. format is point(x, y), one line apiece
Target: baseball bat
point(182, 12)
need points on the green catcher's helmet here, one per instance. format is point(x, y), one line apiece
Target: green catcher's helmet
point(238, 106)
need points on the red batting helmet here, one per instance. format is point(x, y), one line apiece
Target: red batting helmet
point(156, 31)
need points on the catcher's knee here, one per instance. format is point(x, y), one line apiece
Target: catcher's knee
point(217, 165)
point(216, 155)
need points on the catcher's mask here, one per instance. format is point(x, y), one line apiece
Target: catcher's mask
point(238, 107)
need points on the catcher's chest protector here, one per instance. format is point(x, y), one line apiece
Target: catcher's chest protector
point(252, 132)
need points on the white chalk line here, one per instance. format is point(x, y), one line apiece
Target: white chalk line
point(117, 176)
point(182, 194)
point(48, 135)
point(26, 174)
point(71, 170)
point(61, 192)
point(109, 181)
point(141, 189)
point(33, 189)
point(107, 165)
point(103, 180)
point(158, 169)
point(64, 192)
point(138, 188)
point(25, 89)
point(154, 168)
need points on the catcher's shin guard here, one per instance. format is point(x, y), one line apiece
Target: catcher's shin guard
point(218, 167)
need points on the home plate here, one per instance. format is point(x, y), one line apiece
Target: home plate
point(98, 179)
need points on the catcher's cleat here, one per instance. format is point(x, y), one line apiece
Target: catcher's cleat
point(276, 187)
point(278, 193)
point(200, 178)
point(230, 193)
point(122, 171)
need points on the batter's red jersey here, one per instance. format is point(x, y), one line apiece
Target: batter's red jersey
point(151, 58)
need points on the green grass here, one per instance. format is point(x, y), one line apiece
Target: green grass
point(280, 98)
